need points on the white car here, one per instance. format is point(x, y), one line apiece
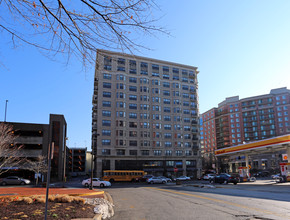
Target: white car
point(183, 178)
point(208, 176)
point(96, 182)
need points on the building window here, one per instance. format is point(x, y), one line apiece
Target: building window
point(106, 142)
point(166, 93)
point(166, 109)
point(133, 124)
point(121, 64)
point(133, 97)
point(120, 86)
point(107, 63)
point(175, 70)
point(133, 152)
point(168, 135)
point(133, 143)
point(106, 152)
point(121, 114)
point(106, 113)
point(133, 115)
point(120, 152)
point(107, 94)
point(132, 133)
point(168, 144)
point(106, 85)
point(132, 79)
point(168, 153)
point(107, 76)
point(145, 152)
point(178, 153)
point(133, 88)
point(132, 65)
point(106, 132)
point(188, 153)
point(132, 106)
point(167, 118)
point(106, 122)
point(157, 152)
point(167, 127)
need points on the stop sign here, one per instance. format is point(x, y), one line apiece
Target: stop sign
point(175, 169)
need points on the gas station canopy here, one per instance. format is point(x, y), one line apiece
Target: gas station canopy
point(257, 147)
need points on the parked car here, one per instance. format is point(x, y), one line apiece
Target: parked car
point(275, 176)
point(96, 182)
point(13, 180)
point(156, 180)
point(224, 178)
point(183, 178)
point(146, 177)
point(167, 179)
point(262, 174)
point(208, 176)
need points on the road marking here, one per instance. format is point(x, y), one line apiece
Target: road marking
point(132, 207)
point(221, 201)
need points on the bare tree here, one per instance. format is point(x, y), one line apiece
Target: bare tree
point(38, 166)
point(78, 27)
point(10, 152)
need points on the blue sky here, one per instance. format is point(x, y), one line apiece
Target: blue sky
point(240, 47)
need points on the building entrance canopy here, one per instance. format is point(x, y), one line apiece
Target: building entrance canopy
point(262, 146)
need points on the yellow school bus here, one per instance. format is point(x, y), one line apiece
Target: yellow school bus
point(123, 175)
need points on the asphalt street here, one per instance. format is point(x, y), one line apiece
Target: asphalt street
point(201, 201)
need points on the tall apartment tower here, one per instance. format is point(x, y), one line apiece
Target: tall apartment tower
point(145, 115)
point(236, 121)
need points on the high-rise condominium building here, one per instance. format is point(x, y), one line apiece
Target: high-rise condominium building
point(236, 121)
point(145, 115)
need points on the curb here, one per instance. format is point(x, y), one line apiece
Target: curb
point(87, 194)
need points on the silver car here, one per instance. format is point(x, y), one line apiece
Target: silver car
point(156, 180)
point(166, 178)
point(13, 180)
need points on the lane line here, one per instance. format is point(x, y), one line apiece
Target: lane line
point(221, 201)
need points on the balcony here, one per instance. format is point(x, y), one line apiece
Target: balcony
point(194, 130)
point(191, 75)
point(195, 138)
point(193, 122)
point(222, 112)
point(193, 91)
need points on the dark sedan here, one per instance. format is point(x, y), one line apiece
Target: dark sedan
point(224, 178)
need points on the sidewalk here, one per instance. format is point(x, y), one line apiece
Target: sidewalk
point(28, 191)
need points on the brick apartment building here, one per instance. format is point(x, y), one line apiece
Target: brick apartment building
point(237, 121)
point(145, 115)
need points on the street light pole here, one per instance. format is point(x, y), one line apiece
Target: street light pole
point(5, 110)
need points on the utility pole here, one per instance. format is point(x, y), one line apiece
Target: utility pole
point(50, 155)
point(5, 110)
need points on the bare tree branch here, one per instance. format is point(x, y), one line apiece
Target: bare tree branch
point(78, 27)
point(10, 152)
point(38, 166)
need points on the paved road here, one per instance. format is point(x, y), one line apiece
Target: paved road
point(190, 202)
